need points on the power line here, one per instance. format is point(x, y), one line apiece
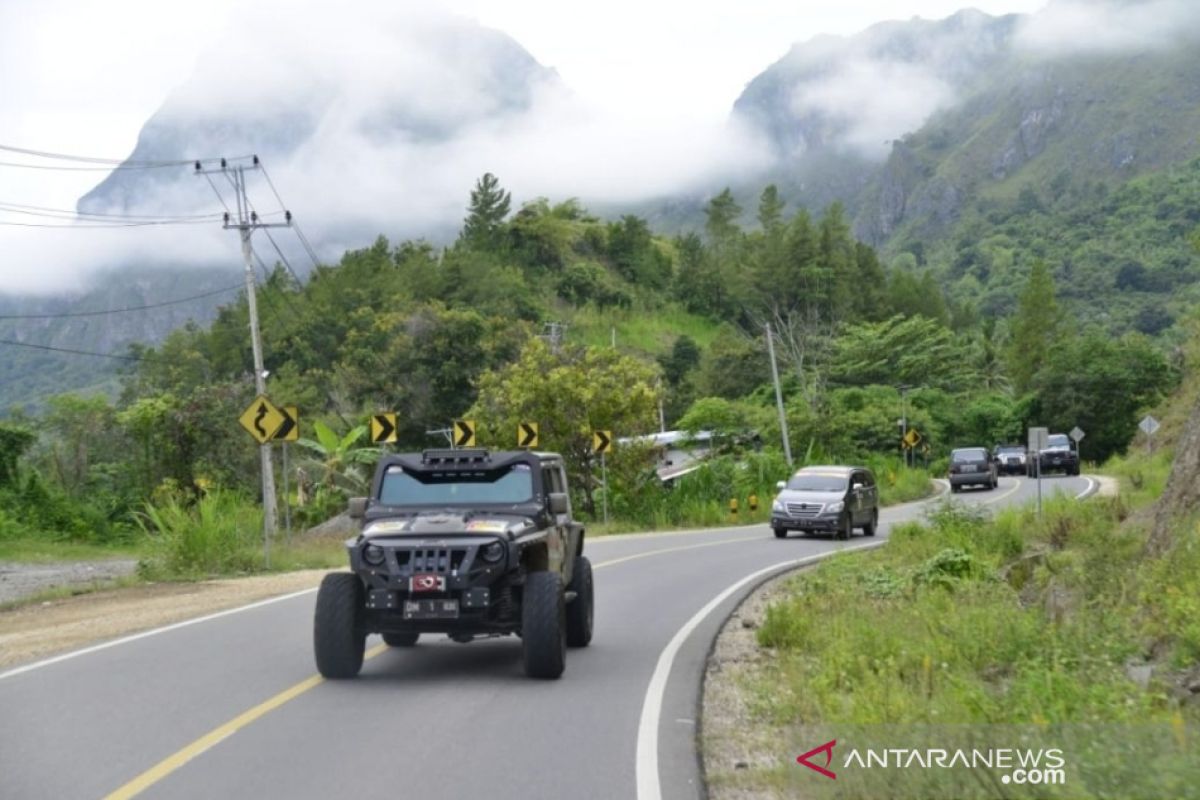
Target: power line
point(299, 233)
point(59, 168)
point(83, 352)
point(124, 162)
point(99, 224)
point(121, 310)
point(97, 216)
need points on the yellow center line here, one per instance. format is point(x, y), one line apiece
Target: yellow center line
point(214, 737)
point(173, 762)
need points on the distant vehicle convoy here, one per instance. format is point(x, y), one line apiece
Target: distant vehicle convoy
point(468, 543)
point(972, 466)
point(830, 499)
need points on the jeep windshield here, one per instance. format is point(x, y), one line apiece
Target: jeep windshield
point(1058, 440)
point(817, 483)
point(506, 486)
point(1011, 450)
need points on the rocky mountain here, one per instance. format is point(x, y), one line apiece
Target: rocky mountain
point(321, 103)
point(973, 144)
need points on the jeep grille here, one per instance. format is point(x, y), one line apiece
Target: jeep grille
point(440, 560)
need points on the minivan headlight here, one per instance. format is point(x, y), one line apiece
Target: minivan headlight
point(834, 508)
point(777, 505)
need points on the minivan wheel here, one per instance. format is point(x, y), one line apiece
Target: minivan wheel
point(869, 528)
point(781, 533)
point(846, 528)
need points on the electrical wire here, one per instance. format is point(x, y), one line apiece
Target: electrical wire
point(67, 314)
point(312, 254)
point(98, 224)
point(121, 161)
point(98, 216)
point(11, 343)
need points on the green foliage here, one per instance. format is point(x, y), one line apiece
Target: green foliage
point(220, 534)
point(570, 394)
point(14, 442)
point(912, 350)
point(1035, 326)
point(339, 461)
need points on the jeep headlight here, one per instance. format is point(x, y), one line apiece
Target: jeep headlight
point(834, 508)
point(373, 554)
point(493, 552)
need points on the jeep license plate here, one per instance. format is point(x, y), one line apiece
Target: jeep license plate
point(431, 609)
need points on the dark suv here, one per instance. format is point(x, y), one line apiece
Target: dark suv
point(1058, 455)
point(832, 499)
point(463, 542)
point(972, 466)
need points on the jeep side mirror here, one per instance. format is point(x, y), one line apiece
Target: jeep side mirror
point(780, 485)
point(357, 507)
point(558, 503)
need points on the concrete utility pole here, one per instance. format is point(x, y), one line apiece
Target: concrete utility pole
point(787, 446)
point(246, 222)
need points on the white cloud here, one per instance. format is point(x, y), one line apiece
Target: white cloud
point(1110, 26)
point(875, 101)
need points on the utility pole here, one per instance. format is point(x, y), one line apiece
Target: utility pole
point(787, 446)
point(246, 222)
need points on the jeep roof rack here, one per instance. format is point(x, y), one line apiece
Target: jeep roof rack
point(463, 456)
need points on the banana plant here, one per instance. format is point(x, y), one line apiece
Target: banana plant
point(339, 461)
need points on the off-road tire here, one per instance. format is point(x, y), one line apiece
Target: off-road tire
point(780, 533)
point(581, 611)
point(406, 639)
point(338, 635)
point(870, 527)
point(544, 625)
point(846, 528)
point(955, 488)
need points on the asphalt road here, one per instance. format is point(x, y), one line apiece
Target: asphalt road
point(231, 707)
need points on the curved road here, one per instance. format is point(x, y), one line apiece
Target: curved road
point(231, 707)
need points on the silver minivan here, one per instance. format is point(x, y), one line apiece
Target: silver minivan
point(828, 499)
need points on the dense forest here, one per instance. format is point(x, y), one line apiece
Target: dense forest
point(548, 313)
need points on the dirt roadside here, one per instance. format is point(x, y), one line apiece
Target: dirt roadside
point(40, 630)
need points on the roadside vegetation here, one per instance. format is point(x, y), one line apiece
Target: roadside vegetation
point(1004, 630)
point(548, 314)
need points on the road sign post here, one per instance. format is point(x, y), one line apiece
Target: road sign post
point(1148, 426)
point(602, 443)
point(464, 433)
point(383, 428)
point(527, 435)
point(289, 431)
point(1035, 445)
point(262, 419)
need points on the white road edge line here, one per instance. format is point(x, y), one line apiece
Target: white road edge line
point(1091, 488)
point(648, 786)
point(153, 632)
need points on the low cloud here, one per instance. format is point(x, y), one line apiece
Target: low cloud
point(375, 122)
point(1068, 27)
point(873, 102)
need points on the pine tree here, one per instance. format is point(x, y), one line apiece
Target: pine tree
point(1034, 327)
point(490, 204)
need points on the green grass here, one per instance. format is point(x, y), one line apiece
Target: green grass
point(41, 551)
point(648, 332)
point(970, 628)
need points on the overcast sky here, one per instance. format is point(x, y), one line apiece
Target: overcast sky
point(82, 77)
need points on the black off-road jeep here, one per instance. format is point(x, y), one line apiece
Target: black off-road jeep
point(463, 542)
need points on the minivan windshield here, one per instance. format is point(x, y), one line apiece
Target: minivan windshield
point(507, 486)
point(817, 483)
point(970, 454)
